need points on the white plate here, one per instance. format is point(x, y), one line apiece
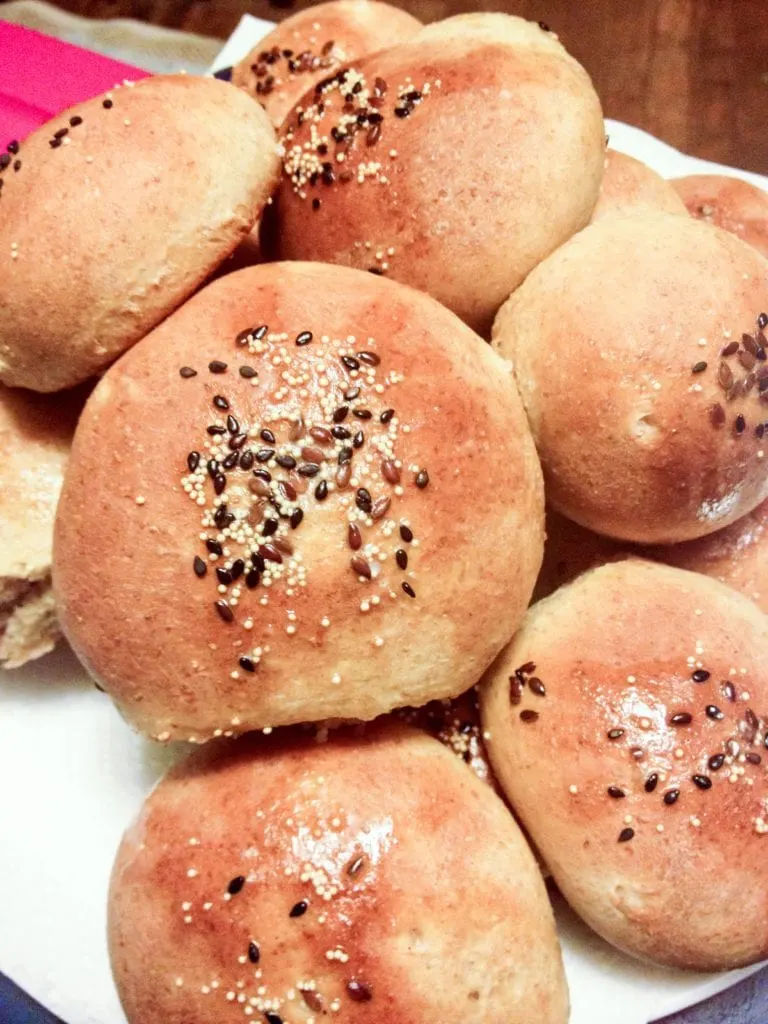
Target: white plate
point(73, 774)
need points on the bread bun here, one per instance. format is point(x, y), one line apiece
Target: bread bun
point(369, 878)
point(630, 186)
point(35, 436)
point(393, 559)
point(119, 209)
point(314, 43)
point(730, 203)
point(633, 346)
point(462, 159)
point(737, 555)
point(629, 733)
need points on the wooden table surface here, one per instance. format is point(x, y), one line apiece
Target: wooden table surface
point(692, 72)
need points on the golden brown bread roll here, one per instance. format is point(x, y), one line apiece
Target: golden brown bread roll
point(373, 544)
point(119, 209)
point(730, 203)
point(312, 44)
point(454, 162)
point(370, 880)
point(35, 436)
point(628, 722)
point(640, 354)
point(737, 555)
point(630, 186)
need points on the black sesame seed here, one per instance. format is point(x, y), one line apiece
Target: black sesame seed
point(213, 468)
point(753, 758)
point(186, 372)
point(345, 455)
point(299, 909)
point(363, 499)
point(236, 885)
point(671, 796)
point(358, 440)
point(215, 431)
point(193, 461)
point(729, 691)
point(233, 425)
point(700, 675)
point(515, 690)
point(401, 557)
point(699, 367)
point(304, 338)
point(248, 665)
point(214, 547)
point(315, 204)
point(529, 716)
point(75, 121)
point(270, 527)
point(246, 459)
point(406, 533)
point(321, 491)
point(340, 414)
point(286, 461)
point(615, 734)
point(231, 460)
point(199, 566)
point(216, 366)
point(359, 992)
point(341, 433)
point(408, 589)
point(252, 578)
point(308, 469)
point(616, 793)
point(225, 612)
point(254, 954)
point(272, 1018)
point(762, 321)
point(248, 372)
point(362, 414)
point(386, 416)
point(740, 424)
point(264, 455)
point(296, 516)
point(219, 483)
point(13, 146)
point(716, 762)
point(224, 576)
point(626, 834)
point(536, 686)
point(651, 782)
point(702, 781)
point(714, 712)
point(238, 567)
point(350, 395)
point(267, 435)
point(107, 104)
point(681, 718)
point(422, 479)
point(350, 362)
point(258, 561)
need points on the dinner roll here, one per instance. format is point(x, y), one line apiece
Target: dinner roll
point(372, 879)
point(630, 186)
point(35, 436)
point(454, 162)
point(640, 355)
point(296, 508)
point(730, 203)
point(313, 43)
point(114, 212)
point(629, 732)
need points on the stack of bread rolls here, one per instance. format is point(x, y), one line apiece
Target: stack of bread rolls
point(308, 493)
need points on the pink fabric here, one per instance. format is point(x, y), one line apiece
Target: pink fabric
point(40, 76)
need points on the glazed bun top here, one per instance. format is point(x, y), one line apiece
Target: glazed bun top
point(630, 186)
point(118, 209)
point(318, 490)
point(640, 353)
point(314, 43)
point(730, 203)
point(371, 879)
point(453, 162)
point(651, 685)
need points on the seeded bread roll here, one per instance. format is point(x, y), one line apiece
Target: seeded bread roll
point(639, 351)
point(629, 733)
point(263, 874)
point(454, 162)
point(730, 203)
point(114, 212)
point(737, 555)
point(312, 44)
point(35, 436)
point(630, 186)
point(312, 525)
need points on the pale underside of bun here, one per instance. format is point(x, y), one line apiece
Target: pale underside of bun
point(120, 208)
point(371, 877)
point(628, 723)
point(383, 561)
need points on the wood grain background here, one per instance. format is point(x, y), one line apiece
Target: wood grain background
point(692, 72)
